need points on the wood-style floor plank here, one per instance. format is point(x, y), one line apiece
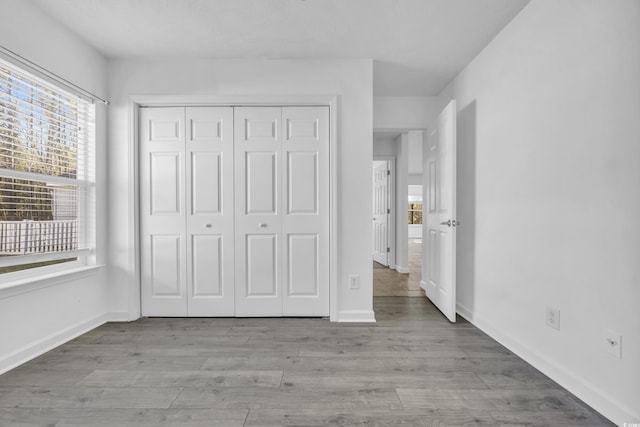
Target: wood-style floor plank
point(119, 417)
point(368, 418)
point(411, 368)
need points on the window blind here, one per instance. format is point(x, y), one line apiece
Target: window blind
point(47, 138)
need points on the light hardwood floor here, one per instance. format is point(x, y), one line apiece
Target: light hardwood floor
point(388, 282)
point(411, 368)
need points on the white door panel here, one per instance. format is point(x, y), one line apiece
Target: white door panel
point(302, 183)
point(210, 220)
point(257, 225)
point(261, 182)
point(381, 213)
point(282, 158)
point(235, 211)
point(262, 265)
point(303, 261)
point(305, 207)
point(162, 210)
point(166, 184)
point(206, 183)
point(187, 253)
point(439, 229)
point(166, 275)
point(207, 265)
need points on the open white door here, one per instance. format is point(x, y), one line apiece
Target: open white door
point(439, 213)
point(381, 213)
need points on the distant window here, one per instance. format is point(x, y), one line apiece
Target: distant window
point(47, 141)
point(415, 213)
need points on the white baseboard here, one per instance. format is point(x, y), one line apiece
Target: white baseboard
point(49, 342)
point(400, 269)
point(423, 285)
point(461, 310)
point(357, 316)
point(563, 375)
point(119, 316)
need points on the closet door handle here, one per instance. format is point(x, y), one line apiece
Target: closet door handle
point(262, 225)
point(207, 226)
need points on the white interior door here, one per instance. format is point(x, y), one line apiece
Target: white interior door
point(210, 211)
point(381, 213)
point(186, 209)
point(305, 211)
point(439, 213)
point(282, 211)
point(234, 211)
point(258, 230)
point(163, 213)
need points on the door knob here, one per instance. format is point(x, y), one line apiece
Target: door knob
point(456, 222)
point(207, 226)
point(447, 223)
point(262, 225)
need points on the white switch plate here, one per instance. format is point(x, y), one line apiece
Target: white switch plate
point(612, 342)
point(354, 282)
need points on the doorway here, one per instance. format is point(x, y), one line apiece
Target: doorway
point(391, 282)
point(401, 275)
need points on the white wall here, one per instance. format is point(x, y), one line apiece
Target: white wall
point(40, 316)
point(404, 112)
point(351, 80)
point(385, 147)
point(548, 126)
point(402, 233)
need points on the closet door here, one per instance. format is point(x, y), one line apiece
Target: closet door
point(162, 212)
point(305, 211)
point(209, 206)
point(258, 221)
point(186, 211)
point(282, 211)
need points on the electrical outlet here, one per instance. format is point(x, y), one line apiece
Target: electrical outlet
point(354, 282)
point(553, 318)
point(612, 342)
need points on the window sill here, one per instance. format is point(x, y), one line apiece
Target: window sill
point(30, 284)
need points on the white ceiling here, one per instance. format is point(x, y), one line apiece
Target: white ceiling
point(417, 45)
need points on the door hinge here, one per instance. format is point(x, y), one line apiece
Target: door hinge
point(388, 172)
point(388, 211)
point(388, 250)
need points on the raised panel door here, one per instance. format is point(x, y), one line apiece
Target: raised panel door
point(210, 217)
point(258, 220)
point(439, 229)
point(305, 211)
point(162, 210)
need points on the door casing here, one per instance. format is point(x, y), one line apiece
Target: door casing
point(136, 101)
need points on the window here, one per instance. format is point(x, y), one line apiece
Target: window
point(415, 204)
point(47, 178)
point(415, 213)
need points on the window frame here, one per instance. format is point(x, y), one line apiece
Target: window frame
point(85, 198)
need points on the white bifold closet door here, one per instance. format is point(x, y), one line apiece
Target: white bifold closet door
point(264, 254)
point(186, 211)
point(282, 211)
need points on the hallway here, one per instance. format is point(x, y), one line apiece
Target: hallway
point(390, 283)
